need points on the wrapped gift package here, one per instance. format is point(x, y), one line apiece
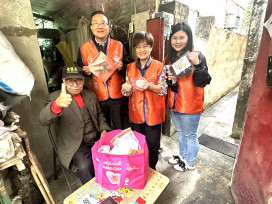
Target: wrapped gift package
point(182, 66)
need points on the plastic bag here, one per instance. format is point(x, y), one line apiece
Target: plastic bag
point(15, 76)
point(182, 66)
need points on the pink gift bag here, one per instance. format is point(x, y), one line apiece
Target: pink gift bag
point(115, 171)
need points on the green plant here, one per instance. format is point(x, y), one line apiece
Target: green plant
point(247, 17)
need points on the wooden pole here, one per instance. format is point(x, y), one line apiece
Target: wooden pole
point(39, 184)
point(38, 172)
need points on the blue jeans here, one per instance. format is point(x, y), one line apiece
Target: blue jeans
point(186, 126)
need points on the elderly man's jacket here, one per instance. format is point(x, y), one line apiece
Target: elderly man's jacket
point(69, 123)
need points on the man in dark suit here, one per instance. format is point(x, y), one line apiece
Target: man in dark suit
point(79, 122)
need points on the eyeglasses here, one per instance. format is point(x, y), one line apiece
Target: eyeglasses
point(145, 47)
point(104, 24)
point(71, 82)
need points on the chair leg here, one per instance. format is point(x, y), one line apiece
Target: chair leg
point(66, 178)
point(55, 165)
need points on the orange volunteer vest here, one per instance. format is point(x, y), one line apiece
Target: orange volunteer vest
point(190, 98)
point(146, 106)
point(112, 87)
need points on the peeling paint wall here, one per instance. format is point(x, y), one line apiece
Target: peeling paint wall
point(224, 51)
point(179, 10)
point(17, 24)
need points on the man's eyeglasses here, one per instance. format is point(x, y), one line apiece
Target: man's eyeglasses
point(99, 23)
point(71, 82)
point(145, 47)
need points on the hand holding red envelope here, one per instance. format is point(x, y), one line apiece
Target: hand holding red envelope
point(102, 66)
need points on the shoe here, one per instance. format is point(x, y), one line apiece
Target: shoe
point(190, 167)
point(181, 166)
point(175, 159)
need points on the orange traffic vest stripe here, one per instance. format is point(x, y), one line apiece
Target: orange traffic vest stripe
point(190, 98)
point(146, 106)
point(112, 87)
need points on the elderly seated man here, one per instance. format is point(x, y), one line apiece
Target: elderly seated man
point(79, 122)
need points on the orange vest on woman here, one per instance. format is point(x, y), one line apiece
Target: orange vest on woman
point(146, 106)
point(112, 87)
point(190, 98)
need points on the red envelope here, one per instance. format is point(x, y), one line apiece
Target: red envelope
point(102, 66)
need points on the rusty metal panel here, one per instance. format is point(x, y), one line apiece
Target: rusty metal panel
point(155, 26)
point(252, 174)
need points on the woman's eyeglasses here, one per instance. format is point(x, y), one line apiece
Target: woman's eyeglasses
point(145, 47)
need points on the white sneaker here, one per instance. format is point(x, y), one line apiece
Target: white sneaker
point(175, 159)
point(183, 167)
point(190, 167)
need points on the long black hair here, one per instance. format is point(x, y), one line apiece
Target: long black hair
point(171, 53)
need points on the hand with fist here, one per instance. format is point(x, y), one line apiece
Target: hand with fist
point(64, 99)
point(119, 65)
point(86, 70)
point(193, 58)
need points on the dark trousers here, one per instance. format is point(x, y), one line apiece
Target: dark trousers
point(153, 137)
point(125, 114)
point(112, 110)
point(83, 162)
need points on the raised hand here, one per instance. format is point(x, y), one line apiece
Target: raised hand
point(64, 99)
point(127, 86)
point(86, 70)
point(193, 58)
point(170, 75)
point(119, 65)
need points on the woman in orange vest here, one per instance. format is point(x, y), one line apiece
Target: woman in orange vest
point(146, 87)
point(186, 95)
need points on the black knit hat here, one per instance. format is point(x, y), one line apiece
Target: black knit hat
point(72, 72)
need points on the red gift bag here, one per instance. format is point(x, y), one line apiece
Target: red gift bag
point(115, 171)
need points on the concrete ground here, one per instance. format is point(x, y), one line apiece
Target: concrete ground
point(209, 183)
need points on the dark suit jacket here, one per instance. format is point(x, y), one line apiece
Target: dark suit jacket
point(69, 123)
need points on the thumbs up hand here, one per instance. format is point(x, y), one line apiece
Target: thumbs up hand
point(127, 86)
point(64, 99)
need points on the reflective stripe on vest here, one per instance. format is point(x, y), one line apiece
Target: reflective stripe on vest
point(112, 87)
point(146, 106)
point(190, 98)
